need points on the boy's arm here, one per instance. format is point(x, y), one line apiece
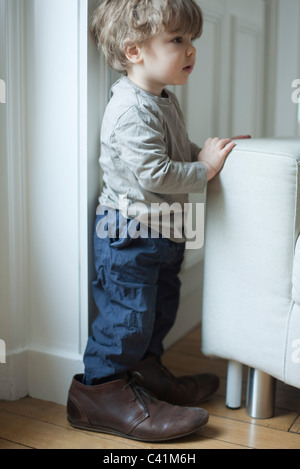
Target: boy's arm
point(139, 143)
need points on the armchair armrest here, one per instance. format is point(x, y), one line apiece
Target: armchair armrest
point(252, 225)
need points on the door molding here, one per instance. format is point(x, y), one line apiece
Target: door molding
point(13, 375)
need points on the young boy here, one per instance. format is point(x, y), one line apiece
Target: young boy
point(149, 162)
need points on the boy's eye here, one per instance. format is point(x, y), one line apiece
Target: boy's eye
point(180, 39)
point(177, 40)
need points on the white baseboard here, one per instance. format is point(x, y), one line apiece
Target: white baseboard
point(50, 375)
point(13, 376)
point(38, 374)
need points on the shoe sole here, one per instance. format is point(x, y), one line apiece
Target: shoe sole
point(109, 431)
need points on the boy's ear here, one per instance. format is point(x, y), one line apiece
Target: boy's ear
point(133, 54)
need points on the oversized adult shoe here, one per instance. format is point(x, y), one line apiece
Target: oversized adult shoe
point(185, 390)
point(123, 408)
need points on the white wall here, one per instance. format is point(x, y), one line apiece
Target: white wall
point(49, 175)
point(224, 94)
point(52, 164)
point(283, 67)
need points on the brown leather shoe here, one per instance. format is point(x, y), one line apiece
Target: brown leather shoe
point(123, 408)
point(186, 390)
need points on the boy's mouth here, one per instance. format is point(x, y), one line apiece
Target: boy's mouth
point(188, 69)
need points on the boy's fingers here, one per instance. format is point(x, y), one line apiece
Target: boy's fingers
point(228, 147)
point(223, 142)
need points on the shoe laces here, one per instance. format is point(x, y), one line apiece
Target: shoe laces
point(139, 392)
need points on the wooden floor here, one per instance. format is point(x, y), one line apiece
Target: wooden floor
point(31, 423)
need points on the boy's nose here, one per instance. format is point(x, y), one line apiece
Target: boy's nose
point(191, 50)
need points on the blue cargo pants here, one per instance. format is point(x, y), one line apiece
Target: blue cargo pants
point(137, 294)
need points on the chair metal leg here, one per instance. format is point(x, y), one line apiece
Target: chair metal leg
point(234, 384)
point(261, 389)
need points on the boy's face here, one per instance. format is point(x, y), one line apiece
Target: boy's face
point(168, 59)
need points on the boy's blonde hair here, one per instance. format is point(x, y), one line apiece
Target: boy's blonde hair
point(120, 23)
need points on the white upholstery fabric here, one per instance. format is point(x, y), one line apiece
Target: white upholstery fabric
point(251, 295)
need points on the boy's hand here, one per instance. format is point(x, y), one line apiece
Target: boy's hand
point(215, 152)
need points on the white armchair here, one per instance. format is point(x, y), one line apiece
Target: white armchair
point(251, 294)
